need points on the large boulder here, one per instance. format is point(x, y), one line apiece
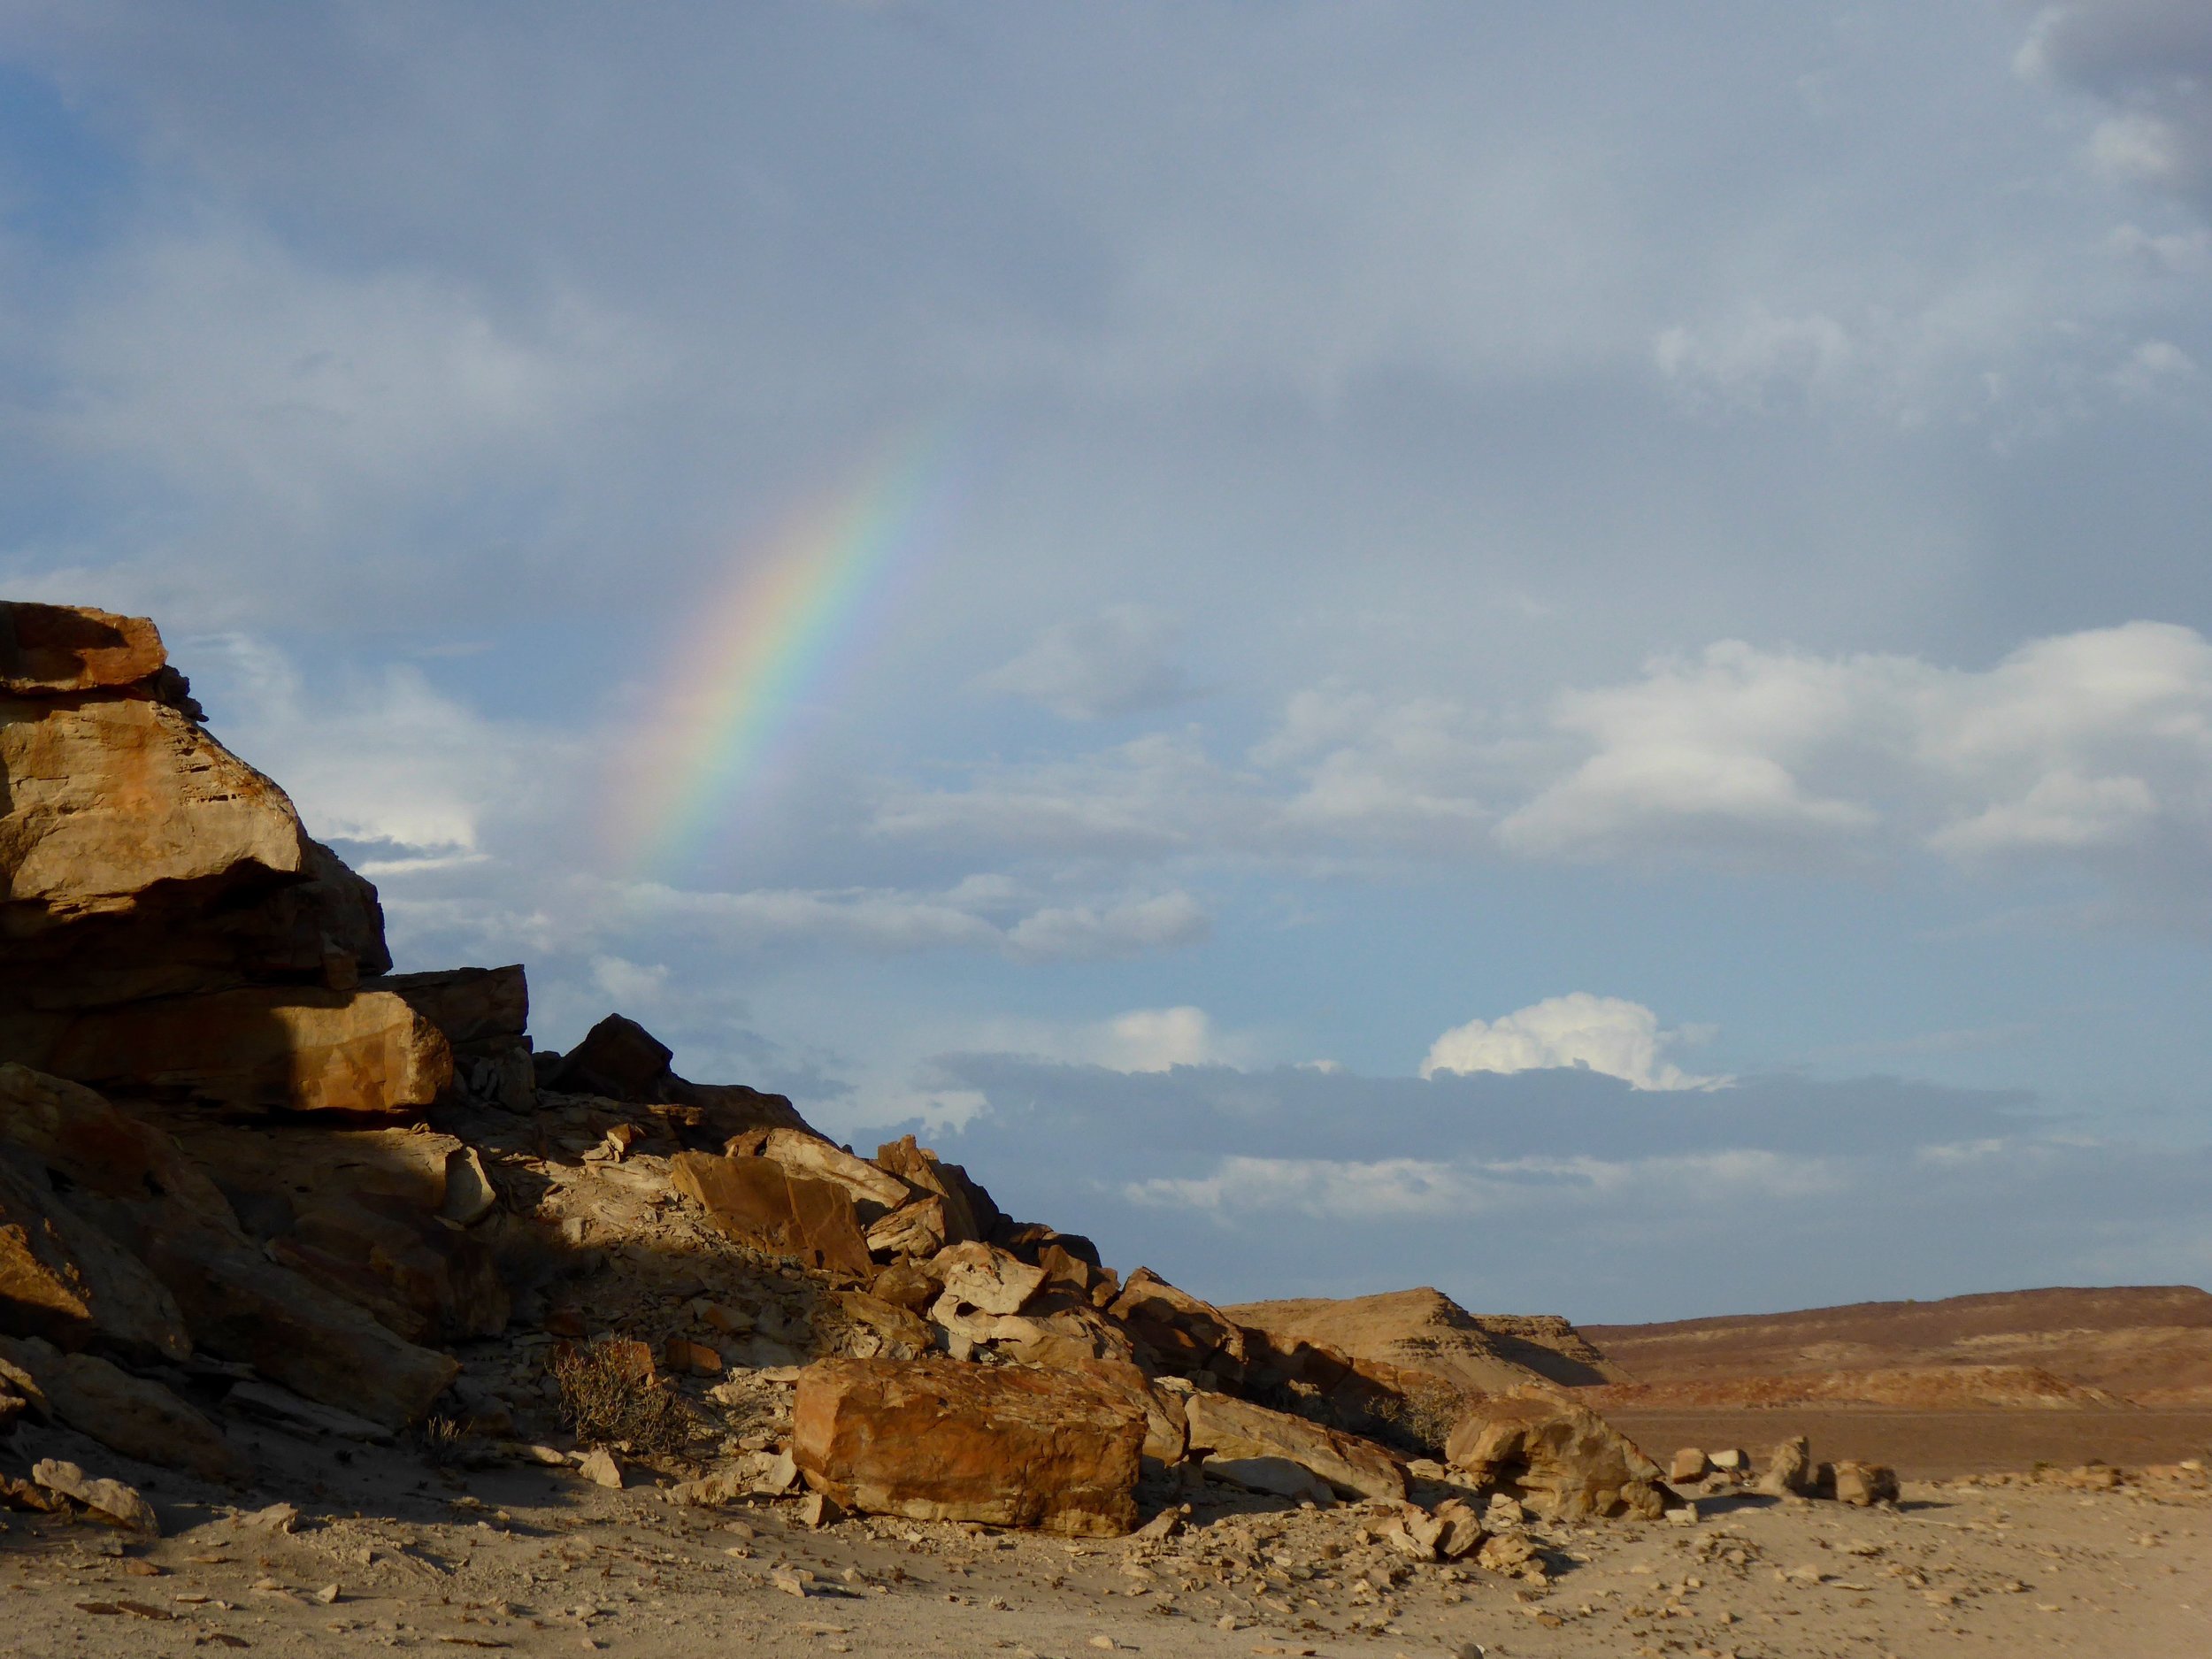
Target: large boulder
point(63, 1279)
point(57, 650)
point(1006, 1445)
point(1234, 1430)
point(138, 857)
point(764, 1204)
point(618, 1059)
point(1559, 1459)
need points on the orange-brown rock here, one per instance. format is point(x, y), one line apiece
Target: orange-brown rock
point(1166, 1421)
point(1863, 1484)
point(1232, 1429)
point(915, 1229)
point(64, 1279)
point(256, 1049)
point(1005, 1445)
point(761, 1202)
point(136, 1184)
point(1557, 1458)
point(52, 651)
point(968, 1209)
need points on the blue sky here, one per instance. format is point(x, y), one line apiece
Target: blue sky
point(1572, 658)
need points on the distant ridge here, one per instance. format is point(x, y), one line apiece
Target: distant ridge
point(2147, 1344)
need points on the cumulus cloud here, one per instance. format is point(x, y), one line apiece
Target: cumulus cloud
point(1118, 662)
point(2092, 743)
point(1607, 1034)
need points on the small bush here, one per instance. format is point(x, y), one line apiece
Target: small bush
point(439, 1440)
point(605, 1403)
point(1422, 1420)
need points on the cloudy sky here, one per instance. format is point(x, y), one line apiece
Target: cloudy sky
point(1563, 651)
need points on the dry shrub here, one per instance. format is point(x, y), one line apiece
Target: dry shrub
point(439, 1440)
point(605, 1403)
point(1421, 1418)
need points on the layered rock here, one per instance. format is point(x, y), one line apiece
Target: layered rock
point(253, 1050)
point(1005, 1445)
point(1426, 1331)
point(967, 1210)
point(63, 1279)
point(140, 857)
point(136, 1184)
point(167, 925)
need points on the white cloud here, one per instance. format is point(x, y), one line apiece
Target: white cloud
point(2100, 740)
point(1083, 933)
point(2155, 368)
point(289, 412)
point(1414, 771)
point(1156, 795)
point(1758, 357)
point(2136, 147)
point(1601, 1033)
point(635, 987)
point(1118, 662)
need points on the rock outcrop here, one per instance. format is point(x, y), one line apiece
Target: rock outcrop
point(250, 1173)
point(166, 923)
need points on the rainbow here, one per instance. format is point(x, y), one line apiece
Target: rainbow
point(794, 609)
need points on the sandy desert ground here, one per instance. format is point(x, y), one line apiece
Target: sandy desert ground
point(389, 1551)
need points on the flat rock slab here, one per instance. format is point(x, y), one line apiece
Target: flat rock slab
point(1005, 1445)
